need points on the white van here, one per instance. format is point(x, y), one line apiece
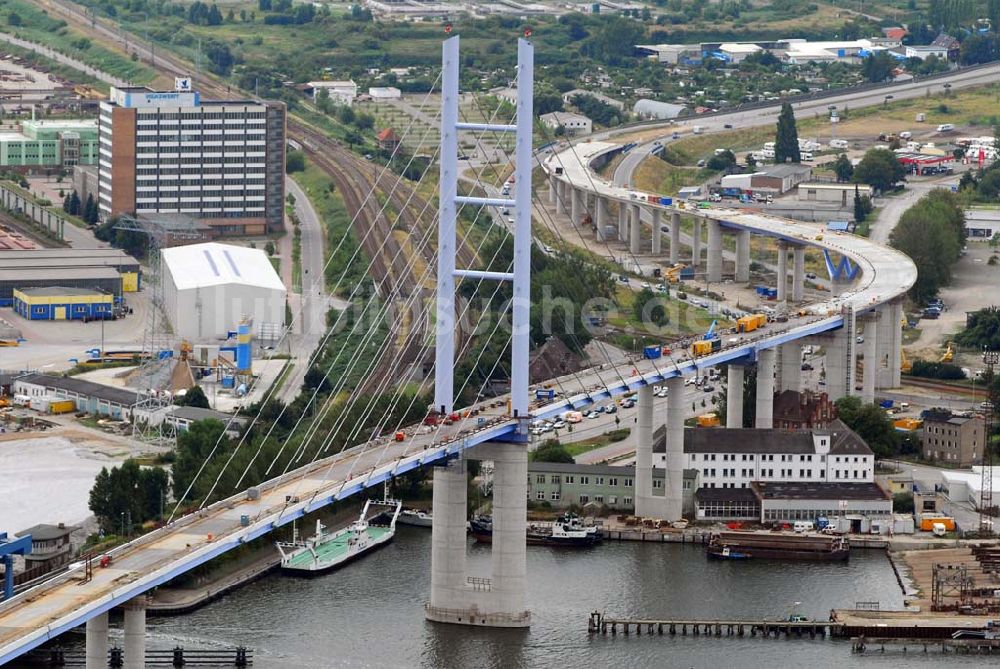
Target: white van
point(801, 526)
point(945, 127)
point(906, 134)
point(839, 144)
point(697, 130)
point(805, 155)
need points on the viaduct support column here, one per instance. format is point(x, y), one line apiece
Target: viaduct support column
point(622, 221)
point(574, 205)
point(714, 251)
point(657, 233)
point(560, 197)
point(553, 186)
point(645, 504)
point(790, 376)
point(675, 238)
point(870, 372)
point(734, 397)
point(448, 542)
point(135, 633)
point(782, 272)
point(600, 216)
point(765, 389)
point(673, 483)
point(798, 273)
point(510, 512)
point(696, 243)
point(97, 642)
point(635, 230)
point(840, 359)
point(743, 256)
point(895, 351)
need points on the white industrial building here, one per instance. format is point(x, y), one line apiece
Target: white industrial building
point(340, 92)
point(384, 93)
point(646, 108)
point(963, 486)
point(209, 288)
point(574, 124)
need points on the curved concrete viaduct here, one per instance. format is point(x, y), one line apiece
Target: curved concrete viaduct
point(870, 291)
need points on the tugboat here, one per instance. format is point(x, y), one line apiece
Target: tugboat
point(568, 530)
point(325, 551)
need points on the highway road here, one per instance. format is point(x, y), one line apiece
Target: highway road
point(957, 80)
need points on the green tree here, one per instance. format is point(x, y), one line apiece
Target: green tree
point(127, 495)
point(14, 19)
point(722, 161)
point(194, 397)
point(786, 138)
point(931, 233)
point(902, 502)
point(551, 451)
point(295, 161)
point(843, 168)
point(880, 169)
point(74, 204)
point(872, 425)
point(878, 67)
point(194, 446)
point(982, 330)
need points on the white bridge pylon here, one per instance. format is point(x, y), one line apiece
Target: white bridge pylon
point(497, 601)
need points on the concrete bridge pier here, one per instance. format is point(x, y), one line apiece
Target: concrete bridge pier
point(553, 189)
point(675, 238)
point(657, 248)
point(872, 368)
point(840, 359)
point(97, 642)
point(734, 396)
point(560, 197)
point(798, 273)
point(764, 418)
point(622, 221)
point(743, 256)
point(790, 367)
point(575, 204)
point(135, 633)
point(673, 484)
point(895, 351)
point(714, 251)
point(782, 279)
point(645, 503)
point(635, 229)
point(448, 586)
point(497, 601)
point(600, 217)
point(696, 243)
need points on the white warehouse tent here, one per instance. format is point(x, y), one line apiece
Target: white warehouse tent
point(209, 288)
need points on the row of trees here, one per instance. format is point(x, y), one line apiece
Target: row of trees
point(89, 211)
point(875, 427)
point(129, 495)
point(932, 234)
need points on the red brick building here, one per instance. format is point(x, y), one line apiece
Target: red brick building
point(803, 411)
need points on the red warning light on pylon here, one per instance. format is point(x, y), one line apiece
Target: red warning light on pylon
point(447, 29)
point(527, 33)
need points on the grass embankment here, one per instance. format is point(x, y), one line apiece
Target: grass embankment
point(37, 26)
point(580, 447)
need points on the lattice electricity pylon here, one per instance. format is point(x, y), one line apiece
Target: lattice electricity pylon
point(520, 205)
point(151, 400)
point(949, 581)
point(986, 509)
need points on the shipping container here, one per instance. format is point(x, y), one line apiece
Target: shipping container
point(704, 347)
point(927, 523)
point(653, 199)
point(666, 201)
point(651, 352)
point(751, 322)
point(545, 394)
point(62, 406)
point(708, 420)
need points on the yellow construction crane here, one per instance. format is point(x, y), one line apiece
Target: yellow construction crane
point(904, 363)
point(948, 355)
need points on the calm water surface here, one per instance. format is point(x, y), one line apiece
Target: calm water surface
point(370, 614)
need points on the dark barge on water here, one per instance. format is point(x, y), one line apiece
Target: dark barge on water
point(780, 546)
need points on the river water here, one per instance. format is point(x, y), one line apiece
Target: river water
point(370, 613)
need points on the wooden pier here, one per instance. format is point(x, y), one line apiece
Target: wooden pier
point(812, 629)
point(881, 645)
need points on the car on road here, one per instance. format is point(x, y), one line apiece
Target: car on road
point(559, 424)
point(611, 408)
point(811, 275)
point(628, 403)
point(806, 367)
point(675, 135)
point(593, 414)
point(707, 388)
point(548, 249)
point(662, 392)
point(623, 278)
point(861, 339)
